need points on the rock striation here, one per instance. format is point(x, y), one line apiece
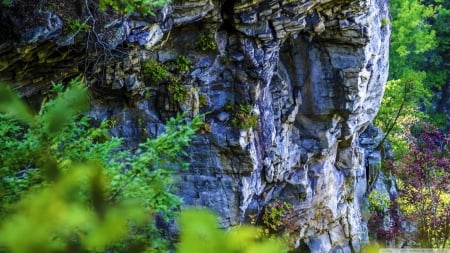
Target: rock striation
point(311, 71)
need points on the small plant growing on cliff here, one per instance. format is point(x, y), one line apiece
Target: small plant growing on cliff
point(205, 128)
point(203, 100)
point(177, 89)
point(378, 201)
point(276, 223)
point(207, 42)
point(243, 117)
point(144, 7)
point(274, 215)
point(76, 26)
point(183, 63)
point(6, 3)
point(154, 72)
point(384, 22)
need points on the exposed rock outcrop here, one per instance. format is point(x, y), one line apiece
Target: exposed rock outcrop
point(313, 72)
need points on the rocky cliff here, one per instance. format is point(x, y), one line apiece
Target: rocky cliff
point(289, 87)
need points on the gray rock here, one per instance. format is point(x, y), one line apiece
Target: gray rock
point(223, 116)
point(50, 30)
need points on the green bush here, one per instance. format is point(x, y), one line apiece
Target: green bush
point(384, 22)
point(183, 63)
point(274, 214)
point(76, 25)
point(243, 117)
point(6, 3)
point(154, 72)
point(70, 182)
point(177, 89)
point(379, 202)
point(207, 42)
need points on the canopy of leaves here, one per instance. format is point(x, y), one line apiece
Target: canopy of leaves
point(407, 96)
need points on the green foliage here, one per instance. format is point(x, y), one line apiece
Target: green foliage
point(274, 215)
point(144, 7)
point(407, 91)
point(437, 119)
point(200, 233)
point(203, 100)
point(379, 201)
point(183, 63)
point(422, 178)
point(12, 106)
point(435, 63)
point(6, 3)
point(243, 117)
point(207, 42)
point(411, 35)
point(177, 89)
point(400, 109)
point(61, 219)
point(76, 25)
point(55, 161)
point(154, 72)
point(384, 22)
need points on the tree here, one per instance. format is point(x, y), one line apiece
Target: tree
point(411, 36)
point(423, 181)
point(406, 92)
point(435, 63)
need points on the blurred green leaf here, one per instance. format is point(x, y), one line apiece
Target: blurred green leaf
point(13, 106)
point(65, 107)
point(200, 233)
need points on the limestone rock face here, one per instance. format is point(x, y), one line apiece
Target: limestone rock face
point(311, 71)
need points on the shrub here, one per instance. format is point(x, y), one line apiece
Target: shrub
point(154, 72)
point(274, 216)
point(378, 201)
point(76, 25)
point(384, 22)
point(69, 179)
point(207, 42)
point(183, 63)
point(423, 177)
point(177, 89)
point(243, 117)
